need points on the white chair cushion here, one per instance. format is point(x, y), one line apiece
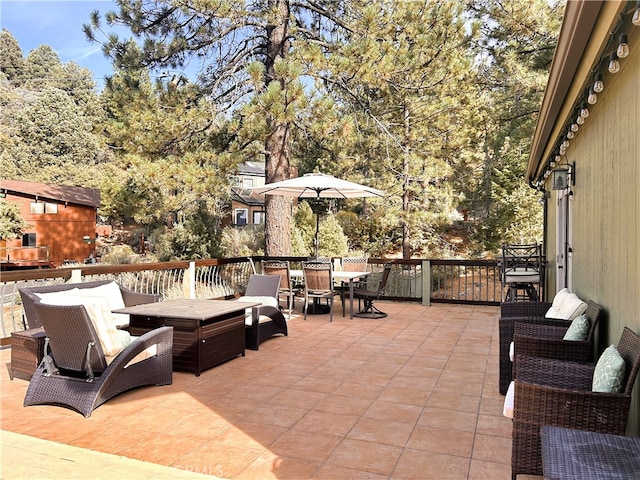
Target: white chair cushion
point(572, 307)
point(507, 409)
point(72, 292)
point(268, 301)
point(110, 291)
point(112, 340)
point(554, 310)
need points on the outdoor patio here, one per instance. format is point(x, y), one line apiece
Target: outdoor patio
point(413, 395)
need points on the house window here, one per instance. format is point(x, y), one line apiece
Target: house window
point(258, 218)
point(36, 208)
point(247, 182)
point(241, 216)
point(29, 240)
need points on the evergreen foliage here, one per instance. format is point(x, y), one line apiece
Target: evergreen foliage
point(434, 102)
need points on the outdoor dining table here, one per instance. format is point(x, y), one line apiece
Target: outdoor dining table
point(337, 275)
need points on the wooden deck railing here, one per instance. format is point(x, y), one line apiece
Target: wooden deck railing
point(416, 280)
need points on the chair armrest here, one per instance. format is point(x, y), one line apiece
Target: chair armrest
point(524, 309)
point(539, 330)
point(537, 405)
point(273, 313)
point(132, 298)
point(554, 348)
point(162, 337)
point(554, 373)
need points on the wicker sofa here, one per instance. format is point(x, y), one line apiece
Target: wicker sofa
point(88, 355)
point(30, 296)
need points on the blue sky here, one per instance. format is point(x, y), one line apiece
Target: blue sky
point(59, 25)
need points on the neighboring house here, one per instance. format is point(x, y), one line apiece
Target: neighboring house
point(246, 207)
point(62, 223)
point(591, 184)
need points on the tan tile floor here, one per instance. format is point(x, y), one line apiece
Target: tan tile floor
point(413, 395)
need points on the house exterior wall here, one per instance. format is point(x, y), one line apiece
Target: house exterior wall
point(605, 208)
point(61, 232)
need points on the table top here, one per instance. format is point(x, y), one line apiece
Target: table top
point(575, 454)
point(189, 308)
point(335, 274)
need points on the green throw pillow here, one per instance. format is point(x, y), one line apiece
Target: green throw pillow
point(609, 372)
point(578, 330)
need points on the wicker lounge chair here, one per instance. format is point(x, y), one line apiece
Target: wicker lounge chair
point(75, 372)
point(283, 269)
point(369, 295)
point(536, 340)
point(266, 320)
point(531, 312)
point(559, 393)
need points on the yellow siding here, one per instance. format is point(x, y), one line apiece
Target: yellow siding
point(606, 209)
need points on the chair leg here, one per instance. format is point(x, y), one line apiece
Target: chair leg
point(369, 310)
point(331, 309)
point(306, 306)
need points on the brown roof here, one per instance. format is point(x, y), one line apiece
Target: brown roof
point(60, 193)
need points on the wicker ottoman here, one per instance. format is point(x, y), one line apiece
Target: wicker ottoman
point(27, 350)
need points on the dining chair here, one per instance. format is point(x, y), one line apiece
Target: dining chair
point(350, 264)
point(318, 284)
point(282, 268)
point(369, 295)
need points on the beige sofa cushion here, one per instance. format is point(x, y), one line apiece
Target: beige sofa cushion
point(111, 292)
point(112, 340)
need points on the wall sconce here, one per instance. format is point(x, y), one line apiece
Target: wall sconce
point(564, 177)
point(561, 179)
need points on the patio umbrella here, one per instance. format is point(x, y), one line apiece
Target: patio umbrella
point(316, 186)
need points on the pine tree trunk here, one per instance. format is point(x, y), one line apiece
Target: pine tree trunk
point(278, 209)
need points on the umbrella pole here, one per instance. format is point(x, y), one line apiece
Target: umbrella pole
point(317, 230)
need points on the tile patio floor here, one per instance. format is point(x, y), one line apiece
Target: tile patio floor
point(413, 395)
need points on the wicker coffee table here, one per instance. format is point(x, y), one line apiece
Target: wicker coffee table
point(205, 332)
point(569, 454)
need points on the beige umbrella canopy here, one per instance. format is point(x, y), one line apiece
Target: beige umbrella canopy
point(316, 186)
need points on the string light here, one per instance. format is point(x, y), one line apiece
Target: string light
point(614, 64)
point(636, 15)
point(598, 86)
point(623, 46)
point(589, 97)
point(584, 111)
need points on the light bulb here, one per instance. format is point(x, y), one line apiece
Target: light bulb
point(593, 98)
point(614, 64)
point(636, 16)
point(570, 134)
point(558, 158)
point(623, 46)
point(565, 144)
point(584, 111)
point(553, 164)
point(574, 127)
point(598, 86)
point(580, 120)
